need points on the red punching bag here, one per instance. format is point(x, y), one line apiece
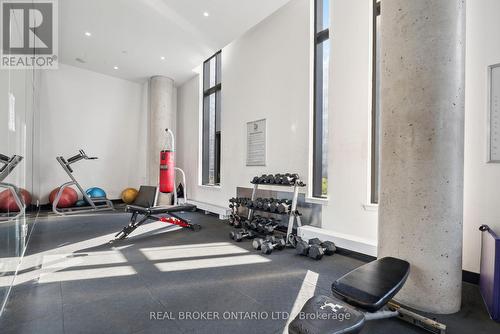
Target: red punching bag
point(167, 171)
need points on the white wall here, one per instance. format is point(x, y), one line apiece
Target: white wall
point(18, 140)
point(103, 115)
point(257, 82)
point(481, 186)
point(265, 75)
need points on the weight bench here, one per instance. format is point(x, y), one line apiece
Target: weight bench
point(143, 211)
point(362, 295)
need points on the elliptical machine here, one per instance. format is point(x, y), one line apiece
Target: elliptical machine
point(8, 165)
point(94, 204)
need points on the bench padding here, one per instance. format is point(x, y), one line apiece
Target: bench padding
point(372, 285)
point(326, 315)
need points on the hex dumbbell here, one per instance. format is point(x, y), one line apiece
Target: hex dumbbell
point(289, 179)
point(315, 249)
point(284, 207)
point(274, 243)
point(243, 234)
point(258, 242)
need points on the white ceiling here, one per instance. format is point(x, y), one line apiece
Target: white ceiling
point(134, 34)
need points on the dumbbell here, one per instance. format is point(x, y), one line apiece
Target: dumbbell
point(315, 249)
point(258, 242)
point(232, 218)
point(259, 179)
point(273, 207)
point(289, 179)
point(278, 178)
point(284, 207)
point(270, 179)
point(274, 243)
point(255, 222)
point(243, 234)
point(264, 226)
point(269, 227)
point(266, 204)
point(257, 204)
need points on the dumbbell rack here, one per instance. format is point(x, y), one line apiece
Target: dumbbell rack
point(294, 215)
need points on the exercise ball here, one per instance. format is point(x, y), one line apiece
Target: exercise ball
point(68, 197)
point(96, 192)
point(81, 202)
point(8, 203)
point(129, 195)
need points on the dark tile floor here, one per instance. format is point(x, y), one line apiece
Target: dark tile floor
point(73, 281)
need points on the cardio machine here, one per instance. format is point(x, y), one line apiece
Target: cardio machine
point(95, 204)
point(7, 166)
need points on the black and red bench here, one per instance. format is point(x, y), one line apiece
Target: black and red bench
point(142, 211)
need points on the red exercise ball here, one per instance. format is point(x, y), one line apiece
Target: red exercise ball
point(7, 202)
point(68, 197)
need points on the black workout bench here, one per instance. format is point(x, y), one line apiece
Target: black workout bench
point(363, 294)
point(142, 206)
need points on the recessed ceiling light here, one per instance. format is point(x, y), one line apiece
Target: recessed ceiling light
point(88, 34)
point(162, 58)
point(115, 68)
point(206, 14)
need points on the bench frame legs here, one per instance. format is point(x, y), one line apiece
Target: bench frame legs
point(171, 219)
point(393, 310)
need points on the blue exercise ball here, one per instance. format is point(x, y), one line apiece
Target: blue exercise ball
point(96, 192)
point(81, 202)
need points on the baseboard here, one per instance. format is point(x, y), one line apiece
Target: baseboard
point(222, 212)
point(470, 277)
point(360, 249)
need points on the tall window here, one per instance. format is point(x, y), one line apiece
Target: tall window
point(321, 65)
point(376, 104)
point(211, 120)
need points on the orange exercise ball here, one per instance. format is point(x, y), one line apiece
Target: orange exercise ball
point(129, 195)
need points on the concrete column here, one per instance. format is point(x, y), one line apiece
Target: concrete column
point(422, 135)
point(162, 115)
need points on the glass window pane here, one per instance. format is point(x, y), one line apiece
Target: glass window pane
point(320, 155)
point(213, 69)
point(219, 68)
point(376, 115)
point(324, 162)
point(211, 140)
point(322, 15)
point(206, 76)
point(211, 122)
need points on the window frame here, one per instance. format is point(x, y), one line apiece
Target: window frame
point(318, 98)
point(206, 92)
point(375, 142)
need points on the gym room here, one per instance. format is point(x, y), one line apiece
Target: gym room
point(263, 166)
